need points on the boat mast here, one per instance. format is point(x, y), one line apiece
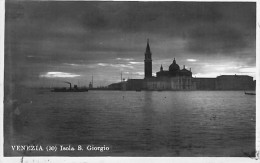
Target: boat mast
point(92, 81)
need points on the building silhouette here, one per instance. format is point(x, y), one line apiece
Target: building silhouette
point(148, 61)
point(181, 79)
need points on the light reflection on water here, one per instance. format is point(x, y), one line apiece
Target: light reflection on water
point(168, 123)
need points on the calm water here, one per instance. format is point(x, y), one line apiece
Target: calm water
point(168, 123)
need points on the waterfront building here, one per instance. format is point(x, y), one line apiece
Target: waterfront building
point(234, 82)
point(181, 79)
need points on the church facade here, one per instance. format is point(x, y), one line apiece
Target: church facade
point(172, 79)
point(176, 78)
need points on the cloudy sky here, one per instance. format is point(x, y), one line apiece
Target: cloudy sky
point(50, 42)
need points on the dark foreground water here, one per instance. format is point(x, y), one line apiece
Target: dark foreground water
point(167, 123)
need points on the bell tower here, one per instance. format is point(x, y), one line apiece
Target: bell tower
point(148, 61)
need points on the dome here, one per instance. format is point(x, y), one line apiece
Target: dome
point(174, 67)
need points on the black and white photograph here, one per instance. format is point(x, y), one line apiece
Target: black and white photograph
point(130, 79)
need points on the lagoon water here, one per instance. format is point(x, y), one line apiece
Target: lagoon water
point(147, 123)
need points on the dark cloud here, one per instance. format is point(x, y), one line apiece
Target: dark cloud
point(47, 34)
point(216, 39)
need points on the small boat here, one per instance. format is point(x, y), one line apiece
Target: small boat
point(138, 90)
point(69, 90)
point(75, 89)
point(248, 93)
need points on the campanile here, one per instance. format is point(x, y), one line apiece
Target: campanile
point(148, 61)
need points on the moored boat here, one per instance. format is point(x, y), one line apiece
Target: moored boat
point(249, 93)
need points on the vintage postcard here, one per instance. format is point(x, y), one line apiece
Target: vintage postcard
point(130, 79)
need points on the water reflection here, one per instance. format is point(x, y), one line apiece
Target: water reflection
point(211, 123)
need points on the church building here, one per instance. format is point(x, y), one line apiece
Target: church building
point(172, 79)
point(181, 79)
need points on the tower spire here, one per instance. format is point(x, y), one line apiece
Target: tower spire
point(148, 61)
point(148, 47)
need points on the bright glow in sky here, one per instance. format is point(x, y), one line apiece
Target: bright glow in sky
point(58, 75)
point(191, 60)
